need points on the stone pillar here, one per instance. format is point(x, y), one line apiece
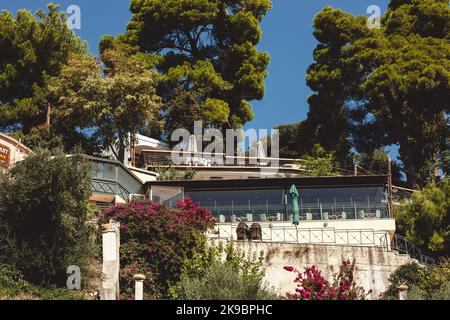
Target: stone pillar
point(111, 261)
point(402, 292)
point(139, 286)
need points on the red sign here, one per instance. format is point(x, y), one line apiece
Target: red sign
point(5, 155)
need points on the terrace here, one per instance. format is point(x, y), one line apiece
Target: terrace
point(268, 200)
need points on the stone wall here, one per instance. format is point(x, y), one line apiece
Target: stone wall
point(373, 265)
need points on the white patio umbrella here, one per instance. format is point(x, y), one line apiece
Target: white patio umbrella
point(261, 153)
point(192, 150)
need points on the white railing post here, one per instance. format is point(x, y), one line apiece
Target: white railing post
point(139, 286)
point(111, 261)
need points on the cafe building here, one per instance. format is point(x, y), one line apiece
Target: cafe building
point(347, 210)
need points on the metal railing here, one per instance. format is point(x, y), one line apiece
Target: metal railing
point(255, 214)
point(110, 187)
point(326, 236)
point(402, 245)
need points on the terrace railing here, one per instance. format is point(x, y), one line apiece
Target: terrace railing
point(325, 236)
point(256, 214)
point(402, 245)
point(110, 188)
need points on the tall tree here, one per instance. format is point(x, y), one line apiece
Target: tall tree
point(208, 46)
point(408, 89)
point(33, 49)
point(108, 106)
point(333, 77)
point(376, 88)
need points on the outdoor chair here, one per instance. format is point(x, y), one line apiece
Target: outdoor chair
point(378, 214)
point(361, 214)
point(242, 231)
point(256, 232)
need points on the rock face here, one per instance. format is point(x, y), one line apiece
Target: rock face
point(373, 265)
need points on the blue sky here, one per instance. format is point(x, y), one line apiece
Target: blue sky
point(287, 37)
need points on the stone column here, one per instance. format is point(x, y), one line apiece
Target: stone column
point(139, 286)
point(111, 262)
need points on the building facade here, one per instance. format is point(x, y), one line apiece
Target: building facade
point(11, 151)
point(347, 210)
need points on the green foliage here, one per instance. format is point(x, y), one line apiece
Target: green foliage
point(44, 217)
point(41, 137)
point(221, 282)
point(319, 163)
point(445, 160)
point(376, 88)
point(425, 220)
point(12, 283)
point(173, 174)
point(14, 287)
point(112, 106)
point(376, 162)
point(206, 276)
point(410, 274)
point(34, 48)
point(424, 283)
point(208, 47)
point(443, 293)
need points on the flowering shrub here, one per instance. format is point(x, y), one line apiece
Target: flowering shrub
point(156, 240)
point(311, 285)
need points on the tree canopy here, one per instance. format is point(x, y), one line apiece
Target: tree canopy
point(426, 220)
point(112, 105)
point(204, 46)
point(34, 48)
point(380, 87)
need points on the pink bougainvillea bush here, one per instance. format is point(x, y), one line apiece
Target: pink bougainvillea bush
point(312, 285)
point(156, 240)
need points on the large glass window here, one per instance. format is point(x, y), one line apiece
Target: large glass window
point(342, 203)
point(105, 171)
point(276, 204)
point(238, 199)
point(167, 195)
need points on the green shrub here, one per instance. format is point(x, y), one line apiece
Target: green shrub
point(44, 217)
point(425, 220)
point(410, 273)
point(424, 283)
point(12, 283)
point(57, 294)
point(222, 282)
point(206, 276)
point(416, 293)
point(14, 287)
